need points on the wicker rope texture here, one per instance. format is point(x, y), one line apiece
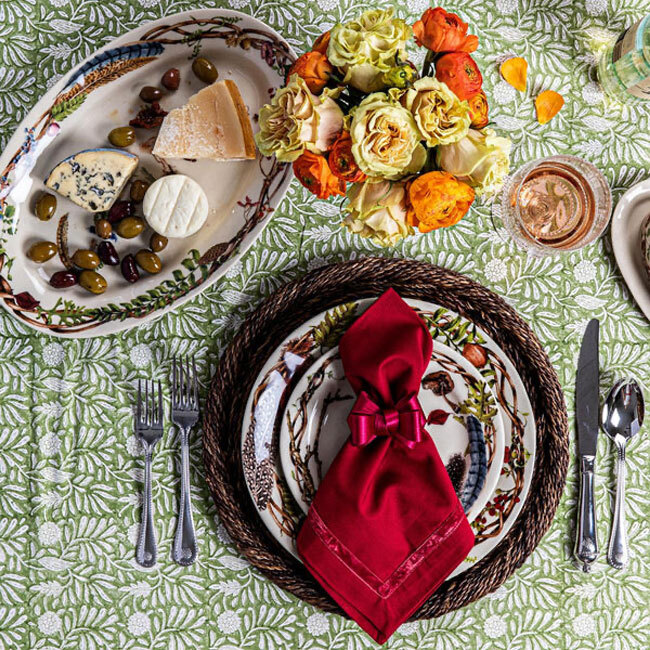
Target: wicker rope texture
point(322, 289)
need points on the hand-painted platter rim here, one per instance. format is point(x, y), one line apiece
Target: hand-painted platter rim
point(260, 426)
point(449, 396)
point(35, 303)
point(626, 242)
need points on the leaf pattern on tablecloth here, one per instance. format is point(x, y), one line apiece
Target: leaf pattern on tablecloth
point(70, 467)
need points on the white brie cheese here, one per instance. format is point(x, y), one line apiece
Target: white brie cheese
point(93, 179)
point(175, 206)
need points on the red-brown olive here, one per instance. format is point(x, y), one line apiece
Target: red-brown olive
point(138, 190)
point(171, 79)
point(63, 279)
point(103, 228)
point(129, 269)
point(107, 253)
point(120, 210)
point(150, 94)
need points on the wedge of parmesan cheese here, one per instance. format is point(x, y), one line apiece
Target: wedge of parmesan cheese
point(214, 124)
point(94, 178)
point(175, 206)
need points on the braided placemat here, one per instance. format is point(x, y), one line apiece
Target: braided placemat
point(327, 287)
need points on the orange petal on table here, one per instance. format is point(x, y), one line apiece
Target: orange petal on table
point(548, 105)
point(515, 71)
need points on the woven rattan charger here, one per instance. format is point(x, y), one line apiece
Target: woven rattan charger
point(327, 287)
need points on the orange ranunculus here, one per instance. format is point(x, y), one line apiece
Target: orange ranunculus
point(478, 110)
point(437, 200)
point(314, 173)
point(460, 72)
point(321, 43)
point(314, 68)
point(342, 162)
point(441, 31)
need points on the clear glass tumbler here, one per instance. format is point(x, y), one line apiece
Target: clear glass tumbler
point(555, 204)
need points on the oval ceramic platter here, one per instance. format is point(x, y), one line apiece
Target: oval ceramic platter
point(314, 426)
point(627, 222)
point(79, 112)
point(261, 425)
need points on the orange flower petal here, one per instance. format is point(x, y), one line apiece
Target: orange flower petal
point(548, 105)
point(515, 71)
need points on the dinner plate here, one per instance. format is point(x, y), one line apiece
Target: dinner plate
point(631, 210)
point(269, 396)
point(314, 426)
point(79, 112)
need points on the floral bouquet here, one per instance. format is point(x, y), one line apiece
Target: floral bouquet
point(410, 151)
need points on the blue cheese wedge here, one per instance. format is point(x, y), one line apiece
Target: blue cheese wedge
point(175, 206)
point(93, 179)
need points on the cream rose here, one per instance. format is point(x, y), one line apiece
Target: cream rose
point(296, 120)
point(366, 48)
point(377, 210)
point(441, 117)
point(385, 138)
point(481, 159)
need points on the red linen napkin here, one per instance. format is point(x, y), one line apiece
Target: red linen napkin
point(385, 527)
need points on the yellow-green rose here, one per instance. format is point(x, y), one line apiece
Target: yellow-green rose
point(377, 210)
point(366, 48)
point(481, 159)
point(296, 120)
point(441, 117)
point(385, 138)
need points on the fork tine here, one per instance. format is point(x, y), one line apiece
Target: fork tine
point(196, 384)
point(139, 404)
point(174, 382)
point(160, 405)
point(147, 406)
point(188, 384)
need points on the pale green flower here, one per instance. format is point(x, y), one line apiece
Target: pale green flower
point(385, 138)
point(296, 120)
point(366, 48)
point(441, 117)
point(377, 210)
point(481, 159)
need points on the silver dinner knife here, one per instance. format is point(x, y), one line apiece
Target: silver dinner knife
point(587, 418)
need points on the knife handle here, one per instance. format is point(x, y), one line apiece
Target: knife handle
point(586, 550)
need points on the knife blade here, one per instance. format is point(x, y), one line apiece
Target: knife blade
point(587, 420)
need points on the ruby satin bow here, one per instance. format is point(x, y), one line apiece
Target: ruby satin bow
point(368, 421)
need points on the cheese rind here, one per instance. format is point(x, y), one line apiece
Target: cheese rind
point(94, 178)
point(175, 206)
point(214, 125)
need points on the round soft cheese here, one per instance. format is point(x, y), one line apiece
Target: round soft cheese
point(175, 206)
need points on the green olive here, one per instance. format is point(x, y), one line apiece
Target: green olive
point(93, 281)
point(157, 243)
point(138, 190)
point(86, 259)
point(204, 70)
point(103, 228)
point(122, 136)
point(46, 206)
point(129, 227)
point(42, 251)
point(148, 261)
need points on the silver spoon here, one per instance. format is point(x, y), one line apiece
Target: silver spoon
point(622, 418)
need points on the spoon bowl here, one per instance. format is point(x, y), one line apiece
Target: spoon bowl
point(622, 417)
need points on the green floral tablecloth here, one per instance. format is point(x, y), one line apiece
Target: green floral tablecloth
point(70, 468)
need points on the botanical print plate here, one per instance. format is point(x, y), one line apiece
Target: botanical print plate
point(462, 419)
point(270, 394)
point(79, 112)
point(627, 222)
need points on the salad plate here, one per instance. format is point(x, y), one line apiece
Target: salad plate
point(78, 113)
point(260, 432)
point(462, 419)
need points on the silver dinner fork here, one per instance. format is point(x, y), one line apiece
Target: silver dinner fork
point(149, 428)
point(185, 413)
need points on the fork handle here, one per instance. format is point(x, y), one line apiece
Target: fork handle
point(146, 551)
point(184, 551)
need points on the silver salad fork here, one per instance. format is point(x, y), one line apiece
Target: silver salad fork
point(149, 429)
point(185, 413)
